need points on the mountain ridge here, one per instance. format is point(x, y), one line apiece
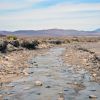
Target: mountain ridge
point(53, 32)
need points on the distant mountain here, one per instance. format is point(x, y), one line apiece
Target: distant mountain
point(53, 32)
point(97, 30)
point(1, 35)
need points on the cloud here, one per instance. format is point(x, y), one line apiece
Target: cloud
point(18, 4)
point(57, 11)
point(65, 15)
point(11, 6)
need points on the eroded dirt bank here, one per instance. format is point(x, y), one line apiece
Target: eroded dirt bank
point(86, 56)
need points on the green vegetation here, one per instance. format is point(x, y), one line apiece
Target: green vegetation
point(11, 37)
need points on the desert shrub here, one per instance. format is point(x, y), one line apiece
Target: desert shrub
point(3, 46)
point(67, 41)
point(11, 37)
point(15, 43)
point(57, 42)
point(85, 50)
point(36, 42)
point(75, 40)
point(30, 45)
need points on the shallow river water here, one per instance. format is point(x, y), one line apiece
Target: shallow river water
point(57, 77)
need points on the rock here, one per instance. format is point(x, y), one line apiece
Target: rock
point(93, 90)
point(6, 58)
point(66, 90)
point(30, 72)
point(31, 63)
point(61, 96)
point(84, 60)
point(1, 84)
point(42, 46)
point(0, 96)
point(94, 75)
point(38, 83)
point(34, 62)
point(11, 48)
point(48, 86)
point(75, 83)
point(92, 96)
point(38, 93)
point(66, 55)
point(25, 73)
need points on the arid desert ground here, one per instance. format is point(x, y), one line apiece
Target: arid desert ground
point(49, 68)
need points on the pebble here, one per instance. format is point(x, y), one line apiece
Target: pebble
point(93, 90)
point(61, 96)
point(25, 73)
point(94, 75)
point(92, 96)
point(30, 72)
point(48, 86)
point(0, 96)
point(75, 83)
point(38, 83)
point(38, 93)
point(66, 90)
point(36, 65)
point(1, 84)
point(34, 62)
point(31, 63)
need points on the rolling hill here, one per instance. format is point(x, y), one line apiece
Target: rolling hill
point(53, 32)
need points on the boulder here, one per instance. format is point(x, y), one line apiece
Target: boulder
point(61, 96)
point(11, 48)
point(92, 96)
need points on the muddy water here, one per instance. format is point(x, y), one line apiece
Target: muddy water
point(57, 77)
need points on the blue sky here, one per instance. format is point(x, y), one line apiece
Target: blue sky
point(46, 14)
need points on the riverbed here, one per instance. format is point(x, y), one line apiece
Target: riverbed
point(57, 78)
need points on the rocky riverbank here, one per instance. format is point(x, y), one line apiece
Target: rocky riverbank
point(84, 56)
point(12, 65)
point(14, 56)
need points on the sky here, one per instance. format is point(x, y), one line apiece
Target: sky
point(48, 14)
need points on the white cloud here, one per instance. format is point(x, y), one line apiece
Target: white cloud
point(11, 6)
point(84, 24)
point(18, 4)
point(35, 1)
point(57, 11)
point(61, 16)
